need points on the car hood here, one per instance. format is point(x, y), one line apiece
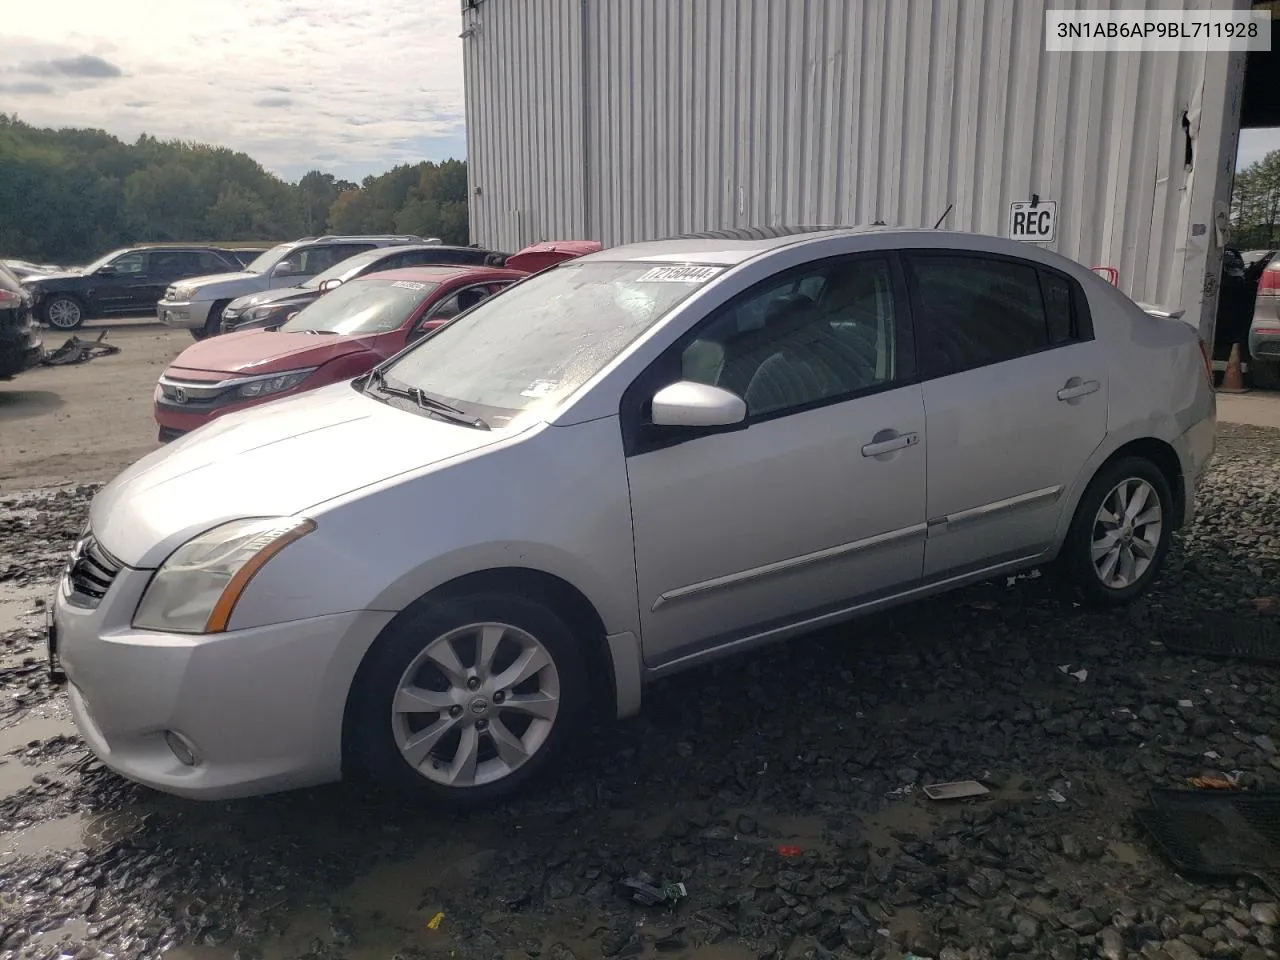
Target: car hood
point(272, 296)
point(216, 281)
point(250, 352)
point(38, 278)
point(280, 459)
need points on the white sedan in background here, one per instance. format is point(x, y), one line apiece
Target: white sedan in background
point(619, 468)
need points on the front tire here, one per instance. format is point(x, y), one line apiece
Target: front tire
point(463, 701)
point(1121, 532)
point(212, 324)
point(64, 313)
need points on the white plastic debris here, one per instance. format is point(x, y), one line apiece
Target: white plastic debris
point(1056, 797)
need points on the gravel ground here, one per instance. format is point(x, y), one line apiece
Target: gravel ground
point(782, 790)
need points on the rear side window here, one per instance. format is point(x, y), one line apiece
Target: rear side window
point(972, 312)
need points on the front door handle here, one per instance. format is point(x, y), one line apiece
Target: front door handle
point(899, 441)
point(1078, 388)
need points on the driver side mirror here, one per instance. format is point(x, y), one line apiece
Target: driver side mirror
point(330, 284)
point(284, 268)
point(107, 271)
point(690, 404)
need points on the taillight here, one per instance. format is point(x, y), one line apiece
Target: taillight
point(1269, 282)
point(1208, 360)
point(10, 300)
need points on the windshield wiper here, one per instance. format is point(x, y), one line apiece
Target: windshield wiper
point(435, 407)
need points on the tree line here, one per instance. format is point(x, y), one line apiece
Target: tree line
point(70, 195)
point(1255, 205)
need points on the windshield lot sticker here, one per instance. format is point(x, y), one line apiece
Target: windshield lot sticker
point(540, 388)
point(409, 285)
point(680, 274)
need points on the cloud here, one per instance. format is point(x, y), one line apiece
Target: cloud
point(82, 66)
point(217, 73)
point(1255, 144)
point(26, 88)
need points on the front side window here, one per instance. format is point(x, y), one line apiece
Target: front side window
point(362, 307)
point(131, 264)
point(532, 347)
point(827, 331)
point(973, 312)
point(318, 259)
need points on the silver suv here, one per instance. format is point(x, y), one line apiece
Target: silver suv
point(196, 304)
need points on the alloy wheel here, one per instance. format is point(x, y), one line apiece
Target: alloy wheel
point(1126, 533)
point(476, 704)
point(64, 314)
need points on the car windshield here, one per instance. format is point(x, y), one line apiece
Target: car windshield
point(362, 307)
point(343, 269)
point(539, 341)
point(266, 261)
point(100, 263)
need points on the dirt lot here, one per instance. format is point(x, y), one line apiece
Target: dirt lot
point(783, 790)
point(85, 423)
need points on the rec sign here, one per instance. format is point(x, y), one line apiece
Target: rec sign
point(1038, 224)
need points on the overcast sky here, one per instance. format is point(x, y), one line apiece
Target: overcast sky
point(349, 86)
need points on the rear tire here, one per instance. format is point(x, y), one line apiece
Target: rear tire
point(1264, 374)
point(1120, 534)
point(463, 701)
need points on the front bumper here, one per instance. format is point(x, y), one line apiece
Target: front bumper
point(175, 419)
point(184, 314)
point(261, 708)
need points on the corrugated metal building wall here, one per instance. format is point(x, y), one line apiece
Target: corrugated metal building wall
point(622, 120)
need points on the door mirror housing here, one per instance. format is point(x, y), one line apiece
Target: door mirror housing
point(106, 271)
point(330, 284)
point(284, 268)
point(691, 404)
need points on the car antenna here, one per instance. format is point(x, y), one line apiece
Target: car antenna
point(944, 216)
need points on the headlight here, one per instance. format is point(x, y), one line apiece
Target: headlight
point(197, 587)
point(181, 293)
point(285, 381)
point(262, 313)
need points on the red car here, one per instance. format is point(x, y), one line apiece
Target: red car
point(341, 335)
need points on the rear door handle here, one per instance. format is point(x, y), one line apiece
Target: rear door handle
point(1078, 388)
point(899, 442)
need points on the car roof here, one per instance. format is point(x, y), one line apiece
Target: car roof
point(732, 247)
point(442, 273)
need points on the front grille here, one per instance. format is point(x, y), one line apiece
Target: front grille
point(90, 573)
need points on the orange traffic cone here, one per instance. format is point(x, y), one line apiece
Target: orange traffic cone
point(1233, 378)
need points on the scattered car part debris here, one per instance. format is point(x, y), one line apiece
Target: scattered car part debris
point(1055, 796)
point(1233, 638)
point(643, 890)
point(1082, 674)
point(1217, 833)
point(955, 790)
point(790, 851)
point(1212, 783)
point(76, 350)
point(434, 922)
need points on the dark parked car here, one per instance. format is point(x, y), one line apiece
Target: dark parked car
point(127, 281)
point(270, 308)
point(19, 336)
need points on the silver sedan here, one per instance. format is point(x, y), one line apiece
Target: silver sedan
point(619, 468)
